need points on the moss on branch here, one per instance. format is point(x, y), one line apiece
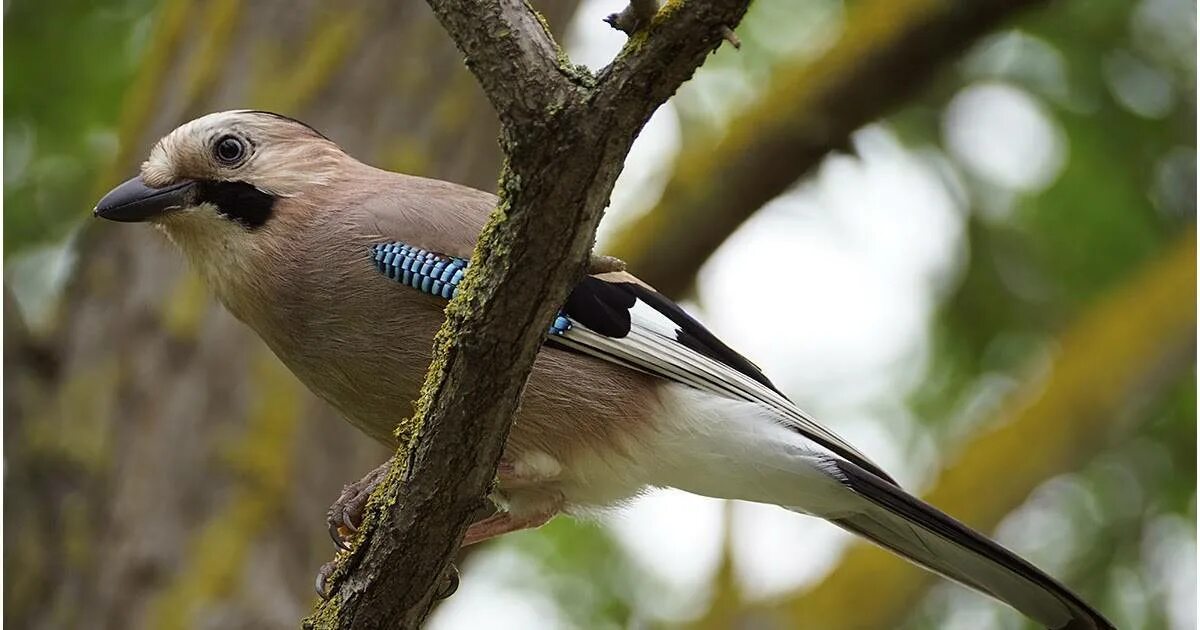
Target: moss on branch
point(564, 142)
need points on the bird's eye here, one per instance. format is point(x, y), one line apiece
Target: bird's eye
point(229, 150)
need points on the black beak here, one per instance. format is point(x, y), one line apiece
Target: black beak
point(134, 201)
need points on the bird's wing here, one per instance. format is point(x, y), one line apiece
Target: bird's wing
point(438, 216)
point(616, 318)
point(633, 325)
point(630, 324)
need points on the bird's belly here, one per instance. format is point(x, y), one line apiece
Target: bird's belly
point(594, 421)
point(374, 404)
point(589, 417)
point(372, 387)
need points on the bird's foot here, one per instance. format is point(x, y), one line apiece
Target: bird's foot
point(324, 576)
point(345, 516)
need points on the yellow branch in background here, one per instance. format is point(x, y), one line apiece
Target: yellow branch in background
point(1049, 427)
point(216, 28)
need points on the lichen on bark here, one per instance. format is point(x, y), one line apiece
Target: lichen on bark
point(564, 138)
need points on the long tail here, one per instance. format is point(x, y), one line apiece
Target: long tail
point(921, 533)
point(734, 449)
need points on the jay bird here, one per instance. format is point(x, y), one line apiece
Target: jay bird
point(344, 270)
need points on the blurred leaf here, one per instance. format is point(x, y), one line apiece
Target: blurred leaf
point(62, 96)
point(582, 567)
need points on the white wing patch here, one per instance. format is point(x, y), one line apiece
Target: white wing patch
point(652, 346)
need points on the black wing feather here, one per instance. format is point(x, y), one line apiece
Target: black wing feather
point(604, 307)
point(601, 306)
point(695, 336)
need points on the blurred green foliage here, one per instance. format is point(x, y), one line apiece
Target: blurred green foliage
point(62, 99)
point(580, 565)
point(1099, 218)
point(1126, 190)
point(1115, 79)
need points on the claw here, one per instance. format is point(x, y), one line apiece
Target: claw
point(345, 515)
point(449, 583)
point(322, 580)
point(336, 536)
point(344, 519)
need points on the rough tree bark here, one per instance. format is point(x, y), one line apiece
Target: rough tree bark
point(565, 135)
point(163, 470)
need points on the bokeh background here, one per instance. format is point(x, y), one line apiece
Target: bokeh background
point(960, 233)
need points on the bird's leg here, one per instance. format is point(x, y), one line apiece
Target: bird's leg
point(344, 518)
point(529, 469)
point(345, 515)
point(323, 575)
point(505, 522)
point(510, 475)
point(525, 483)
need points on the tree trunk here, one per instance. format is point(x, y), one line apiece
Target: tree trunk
point(171, 473)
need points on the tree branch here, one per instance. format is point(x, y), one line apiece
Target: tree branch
point(890, 48)
point(509, 49)
point(565, 137)
point(1102, 366)
point(634, 17)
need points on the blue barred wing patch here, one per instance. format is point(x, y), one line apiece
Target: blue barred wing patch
point(433, 273)
point(420, 269)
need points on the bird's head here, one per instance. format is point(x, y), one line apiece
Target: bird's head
point(231, 187)
point(224, 172)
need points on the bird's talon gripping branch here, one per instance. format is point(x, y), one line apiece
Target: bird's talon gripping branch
point(335, 534)
point(348, 527)
point(323, 575)
point(345, 515)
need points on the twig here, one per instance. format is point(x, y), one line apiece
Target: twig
point(638, 14)
point(634, 17)
point(604, 264)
